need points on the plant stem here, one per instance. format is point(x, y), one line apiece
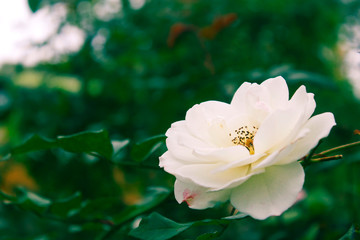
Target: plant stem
point(232, 211)
point(224, 227)
point(339, 147)
point(335, 157)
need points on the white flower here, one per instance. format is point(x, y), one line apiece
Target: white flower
point(246, 151)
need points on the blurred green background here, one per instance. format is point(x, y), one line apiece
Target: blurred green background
point(141, 67)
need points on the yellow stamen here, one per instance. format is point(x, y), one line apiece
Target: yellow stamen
point(245, 136)
point(249, 145)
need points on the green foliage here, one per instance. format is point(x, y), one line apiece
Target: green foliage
point(209, 236)
point(352, 234)
point(34, 5)
point(85, 214)
point(65, 207)
point(153, 199)
point(39, 205)
point(84, 142)
point(138, 71)
point(157, 227)
point(142, 150)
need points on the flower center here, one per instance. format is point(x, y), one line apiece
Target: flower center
point(244, 136)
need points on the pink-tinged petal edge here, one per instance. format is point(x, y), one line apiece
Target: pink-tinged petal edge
point(197, 197)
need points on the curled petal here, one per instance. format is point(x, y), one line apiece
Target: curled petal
point(275, 130)
point(269, 193)
point(304, 102)
point(318, 127)
point(282, 126)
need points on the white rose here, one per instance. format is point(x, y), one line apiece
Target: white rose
point(246, 151)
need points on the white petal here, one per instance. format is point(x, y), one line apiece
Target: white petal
point(180, 142)
point(169, 162)
point(222, 155)
point(206, 175)
point(199, 117)
point(269, 193)
point(304, 102)
point(283, 125)
point(241, 162)
point(276, 129)
point(257, 102)
point(198, 197)
point(239, 97)
point(319, 127)
point(280, 156)
point(278, 89)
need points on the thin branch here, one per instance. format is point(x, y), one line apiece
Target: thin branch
point(322, 159)
point(339, 147)
point(305, 161)
point(232, 211)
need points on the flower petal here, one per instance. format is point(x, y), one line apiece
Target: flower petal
point(198, 197)
point(256, 102)
point(169, 162)
point(241, 162)
point(275, 157)
point(199, 117)
point(206, 175)
point(180, 142)
point(278, 90)
point(269, 193)
point(304, 102)
point(222, 155)
point(275, 130)
point(319, 127)
point(283, 125)
point(260, 100)
point(239, 97)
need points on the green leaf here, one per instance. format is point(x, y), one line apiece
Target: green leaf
point(6, 197)
point(154, 197)
point(27, 201)
point(352, 234)
point(142, 150)
point(236, 216)
point(84, 142)
point(119, 146)
point(35, 143)
point(157, 227)
point(209, 236)
point(97, 208)
point(34, 5)
point(93, 226)
point(42, 206)
point(64, 207)
point(88, 142)
point(33, 202)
